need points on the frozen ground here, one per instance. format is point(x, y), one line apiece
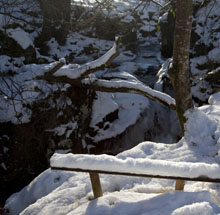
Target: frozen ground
point(60, 192)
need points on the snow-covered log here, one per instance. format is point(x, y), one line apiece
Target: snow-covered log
point(130, 87)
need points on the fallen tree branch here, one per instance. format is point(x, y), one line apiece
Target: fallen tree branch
point(84, 70)
point(17, 18)
point(120, 86)
point(79, 77)
point(123, 86)
point(48, 76)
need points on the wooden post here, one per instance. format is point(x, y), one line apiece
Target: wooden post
point(179, 185)
point(96, 185)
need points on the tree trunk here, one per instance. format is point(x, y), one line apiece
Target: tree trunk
point(56, 19)
point(179, 69)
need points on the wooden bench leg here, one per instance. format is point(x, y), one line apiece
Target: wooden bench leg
point(179, 185)
point(96, 185)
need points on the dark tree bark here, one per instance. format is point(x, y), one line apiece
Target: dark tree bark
point(56, 19)
point(167, 33)
point(179, 69)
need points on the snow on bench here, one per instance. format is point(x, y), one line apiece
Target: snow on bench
point(141, 167)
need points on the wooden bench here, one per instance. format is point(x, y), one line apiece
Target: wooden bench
point(95, 180)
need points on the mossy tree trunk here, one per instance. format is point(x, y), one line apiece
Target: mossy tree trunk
point(179, 69)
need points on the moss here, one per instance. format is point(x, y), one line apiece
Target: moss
point(182, 118)
point(174, 73)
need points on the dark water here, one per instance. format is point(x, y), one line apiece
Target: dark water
point(149, 61)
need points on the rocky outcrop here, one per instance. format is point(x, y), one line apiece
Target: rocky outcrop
point(205, 50)
point(56, 124)
point(17, 43)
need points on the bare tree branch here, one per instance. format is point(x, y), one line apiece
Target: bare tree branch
point(16, 18)
point(157, 3)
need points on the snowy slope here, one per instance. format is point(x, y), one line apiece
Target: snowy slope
point(55, 192)
point(58, 192)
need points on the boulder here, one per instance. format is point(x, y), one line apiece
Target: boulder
point(17, 43)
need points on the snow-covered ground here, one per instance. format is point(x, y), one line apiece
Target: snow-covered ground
point(62, 192)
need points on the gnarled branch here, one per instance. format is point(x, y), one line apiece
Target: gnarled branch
point(84, 70)
point(79, 77)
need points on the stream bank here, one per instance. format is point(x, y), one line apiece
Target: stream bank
point(154, 123)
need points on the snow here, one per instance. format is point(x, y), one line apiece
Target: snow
point(149, 27)
point(214, 99)
point(75, 45)
point(129, 105)
point(197, 61)
point(214, 55)
point(201, 208)
point(21, 37)
point(135, 166)
point(78, 72)
point(130, 203)
point(67, 128)
point(24, 89)
point(62, 60)
point(62, 192)
point(7, 63)
point(206, 25)
point(45, 183)
point(133, 86)
point(129, 67)
point(125, 104)
point(163, 17)
point(103, 104)
point(162, 73)
point(126, 202)
point(125, 56)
